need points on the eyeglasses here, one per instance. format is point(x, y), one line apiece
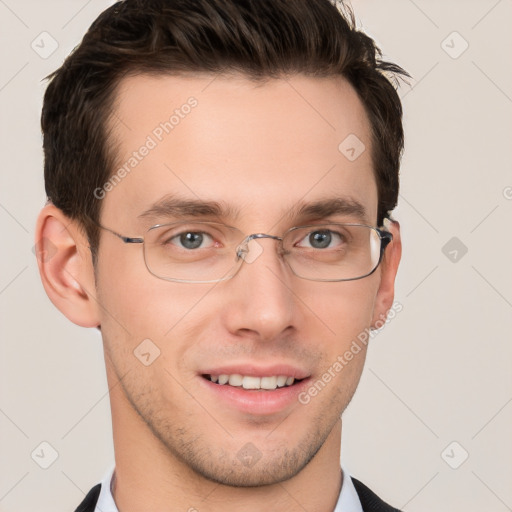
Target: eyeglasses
point(209, 252)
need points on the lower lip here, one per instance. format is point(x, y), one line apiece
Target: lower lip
point(254, 401)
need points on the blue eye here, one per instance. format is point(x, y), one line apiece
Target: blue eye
point(190, 239)
point(321, 239)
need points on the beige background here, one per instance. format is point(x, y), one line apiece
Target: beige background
point(439, 373)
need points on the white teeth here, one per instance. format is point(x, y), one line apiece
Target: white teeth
point(235, 380)
point(281, 381)
point(250, 382)
point(268, 382)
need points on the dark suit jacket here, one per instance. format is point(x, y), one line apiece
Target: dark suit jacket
point(369, 500)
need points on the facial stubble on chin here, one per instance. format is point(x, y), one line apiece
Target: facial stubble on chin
point(276, 464)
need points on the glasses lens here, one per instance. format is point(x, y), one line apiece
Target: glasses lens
point(192, 251)
point(332, 252)
point(207, 251)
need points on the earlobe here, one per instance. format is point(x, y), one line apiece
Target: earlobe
point(389, 268)
point(65, 266)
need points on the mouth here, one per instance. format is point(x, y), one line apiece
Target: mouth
point(254, 383)
point(254, 389)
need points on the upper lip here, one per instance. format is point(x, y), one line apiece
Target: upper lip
point(253, 370)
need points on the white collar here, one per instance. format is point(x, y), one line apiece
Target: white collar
point(348, 500)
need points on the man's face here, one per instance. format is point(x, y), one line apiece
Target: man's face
point(261, 151)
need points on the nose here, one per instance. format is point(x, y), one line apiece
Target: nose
point(260, 297)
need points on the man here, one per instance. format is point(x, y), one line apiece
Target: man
point(220, 176)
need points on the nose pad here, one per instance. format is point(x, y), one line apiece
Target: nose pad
point(251, 251)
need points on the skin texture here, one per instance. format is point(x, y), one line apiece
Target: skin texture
point(261, 148)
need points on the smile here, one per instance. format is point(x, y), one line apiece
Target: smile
point(251, 382)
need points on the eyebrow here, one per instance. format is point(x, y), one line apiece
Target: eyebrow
point(175, 206)
point(328, 207)
point(178, 207)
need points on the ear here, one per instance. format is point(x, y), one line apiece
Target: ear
point(65, 265)
point(388, 270)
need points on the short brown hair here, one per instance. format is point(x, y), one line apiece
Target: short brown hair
point(260, 38)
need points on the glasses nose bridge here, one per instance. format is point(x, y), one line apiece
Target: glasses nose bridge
point(243, 247)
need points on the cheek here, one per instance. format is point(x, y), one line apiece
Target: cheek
point(140, 302)
point(345, 308)
point(136, 307)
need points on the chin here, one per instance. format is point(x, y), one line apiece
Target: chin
point(246, 465)
point(261, 473)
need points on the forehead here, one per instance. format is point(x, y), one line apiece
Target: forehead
point(258, 148)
